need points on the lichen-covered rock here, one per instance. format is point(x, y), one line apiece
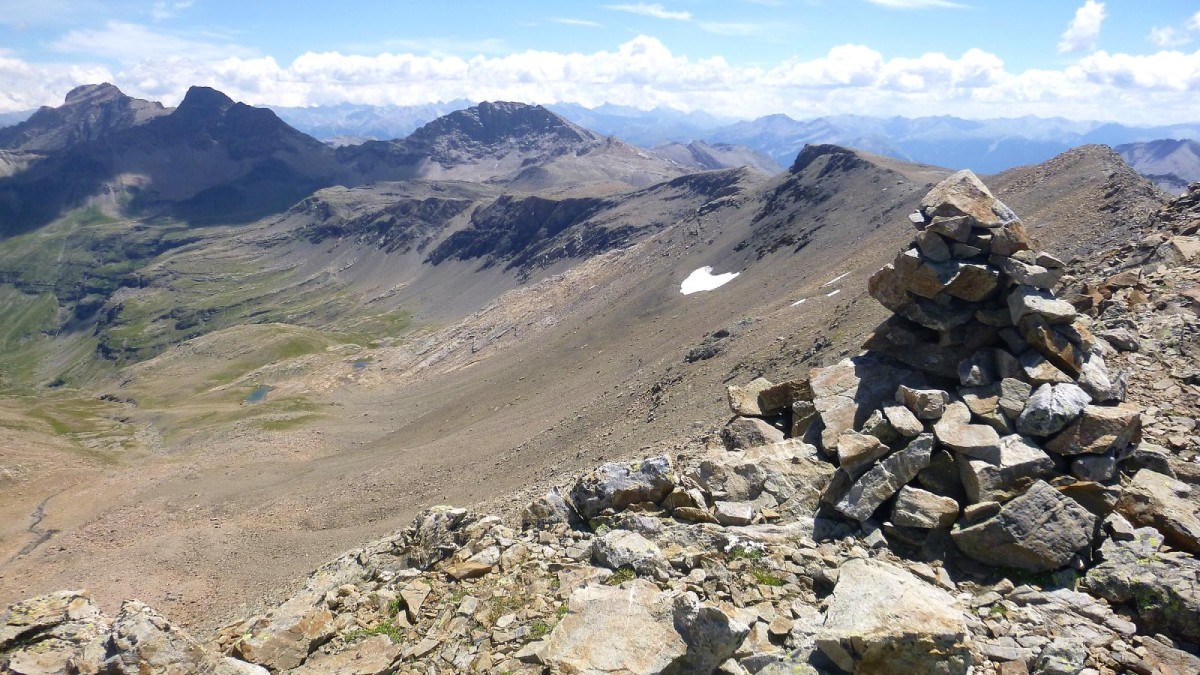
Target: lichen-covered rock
point(1051, 408)
point(1170, 506)
point(1162, 587)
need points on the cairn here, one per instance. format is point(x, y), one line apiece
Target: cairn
point(983, 407)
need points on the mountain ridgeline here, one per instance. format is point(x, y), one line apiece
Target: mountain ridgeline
point(214, 161)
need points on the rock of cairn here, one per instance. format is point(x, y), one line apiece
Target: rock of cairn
point(983, 405)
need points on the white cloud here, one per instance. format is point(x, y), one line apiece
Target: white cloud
point(1084, 29)
point(655, 10)
point(1168, 36)
point(131, 43)
point(1156, 88)
point(167, 9)
point(1171, 36)
point(28, 85)
point(917, 4)
point(578, 22)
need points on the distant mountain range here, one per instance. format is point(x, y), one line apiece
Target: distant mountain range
point(986, 146)
point(1171, 164)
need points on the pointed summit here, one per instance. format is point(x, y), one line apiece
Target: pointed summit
point(204, 99)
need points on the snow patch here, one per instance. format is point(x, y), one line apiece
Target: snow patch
point(830, 294)
point(704, 280)
point(835, 279)
point(801, 301)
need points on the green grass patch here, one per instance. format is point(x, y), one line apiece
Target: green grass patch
point(538, 630)
point(765, 578)
point(620, 576)
point(385, 627)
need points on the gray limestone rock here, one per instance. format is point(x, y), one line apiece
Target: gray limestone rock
point(925, 510)
point(974, 440)
point(903, 420)
point(1051, 408)
point(885, 478)
point(926, 404)
point(1016, 464)
point(616, 485)
point(1038, 531)
point(1025, 300)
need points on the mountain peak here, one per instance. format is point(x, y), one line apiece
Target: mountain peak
point(205, 98)
point(93, 93)
point(494, 121)
point(811, 153)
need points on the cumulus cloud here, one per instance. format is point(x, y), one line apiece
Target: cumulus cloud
point(655, 10)
point(1084, 29)
point(1171, 36)
point(643, 72)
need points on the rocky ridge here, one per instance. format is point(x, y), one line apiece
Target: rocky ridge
point(840, 523)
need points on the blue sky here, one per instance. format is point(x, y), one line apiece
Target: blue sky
point(1129, 60)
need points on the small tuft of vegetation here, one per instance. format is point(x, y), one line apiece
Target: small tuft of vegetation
point(765, 578)
point(385, 627)
point(561, 611)
point(740, 552)
point(539, 629)
point(621, 575)
point(395, 606)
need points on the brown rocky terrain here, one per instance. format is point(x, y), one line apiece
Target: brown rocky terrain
point(854, 517)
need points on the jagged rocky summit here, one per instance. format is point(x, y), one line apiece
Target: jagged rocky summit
point(924, 507)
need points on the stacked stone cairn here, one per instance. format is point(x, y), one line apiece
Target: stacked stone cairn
point(982, 408)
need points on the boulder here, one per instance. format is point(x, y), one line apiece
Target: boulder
point(1158, 585)
point(1016, 464)
point(1099, 430)
point(748, 432)
point(50, 634)
point(622, 548)
point(616, 485)
point(1170, 506)
point(635, 628)
point(475, 565)
point(917, 508)
point(373, 656)
point(734, 513)
point(882, 619)
point(977, 370)
point(903, 420)
point(1058, 350)
point(1027, 300)
point(1051, 408)
point(885, 478)
point(954, 431)
point(779, 398)
point(1095, 468)
point(1063, 656)
point(788, 473)
point(743, 399)
point(933, 246)
point(1038, 531)
point(963, 194)
point(926, 404)
point(1036, 369)
point(549, 510)
point(857, 451)
point(143, 641)
point(1027, 274)
point(1013, 395)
